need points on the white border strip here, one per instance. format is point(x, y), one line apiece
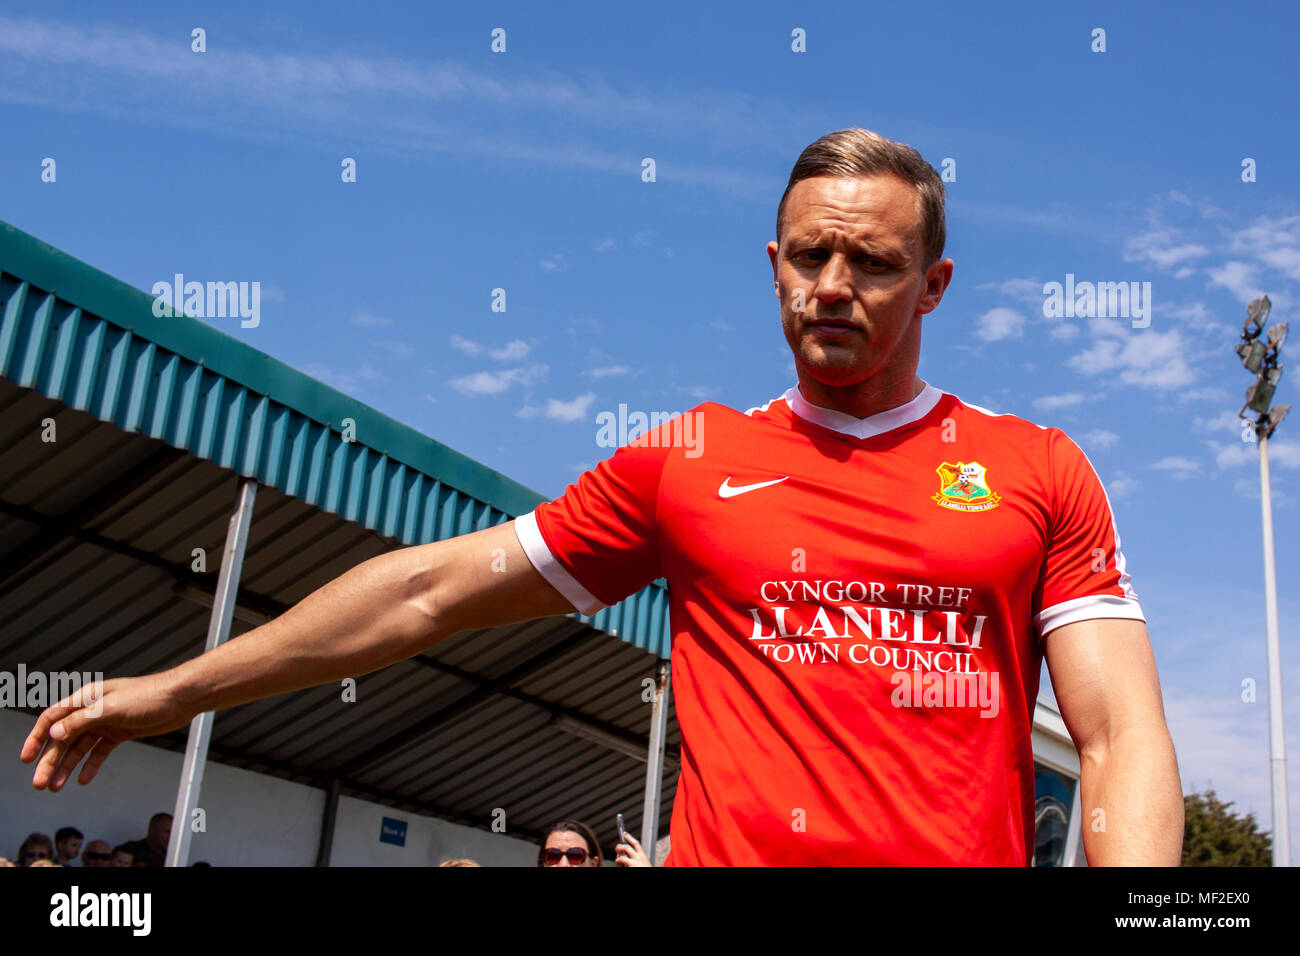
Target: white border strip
point(539, 553)
point(1087, 609)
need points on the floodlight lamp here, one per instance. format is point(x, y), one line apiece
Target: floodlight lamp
point(1259, 394)
point(1252, 355)
point(1277, 335)
point(1257, 311)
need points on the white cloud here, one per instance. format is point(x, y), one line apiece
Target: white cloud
point(1178, 467)
point(1064, 330)
point(1273, 243)
point(701, 392)
point(373, 321)
point(998, 324)
point(1121, 486)
point(512, 351)
point(1165, 249)
point(554, 263)
point(574, 410)
point(603, 245)
point(494, 383)
point(1099, 438)
point(606, 371)
point(352, 381)
point(468, 346)
point(1146, 358)
point(1053, 402)
point(1240, 278)
point(1224, 422)
point(1027, 291)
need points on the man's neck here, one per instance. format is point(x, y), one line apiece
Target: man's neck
point(864, 399)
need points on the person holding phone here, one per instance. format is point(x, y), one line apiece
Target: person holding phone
point(629, 852)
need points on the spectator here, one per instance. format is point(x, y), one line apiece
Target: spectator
point(97, 853)
point(569, 844)
point(46, 862)
point(122, 855)
point(37, 846)
point(152, 850)
point(67, 845)
point(457, 863)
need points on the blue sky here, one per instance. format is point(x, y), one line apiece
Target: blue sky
point(522, 170)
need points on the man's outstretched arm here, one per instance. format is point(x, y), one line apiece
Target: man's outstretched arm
point(382, 611)
point(1104, 675)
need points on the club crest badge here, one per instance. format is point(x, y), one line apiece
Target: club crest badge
point(964, 487)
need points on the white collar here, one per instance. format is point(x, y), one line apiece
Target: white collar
point(870, 426)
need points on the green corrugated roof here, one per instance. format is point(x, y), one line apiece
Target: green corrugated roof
point(91, 341)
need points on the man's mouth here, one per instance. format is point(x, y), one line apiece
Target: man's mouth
point(832, 326)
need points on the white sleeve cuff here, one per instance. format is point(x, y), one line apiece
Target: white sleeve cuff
point(534, 545)
point(1087, 609)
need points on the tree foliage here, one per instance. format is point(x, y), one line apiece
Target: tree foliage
point(1215, 836)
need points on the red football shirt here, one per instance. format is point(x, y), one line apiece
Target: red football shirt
point(857, 612)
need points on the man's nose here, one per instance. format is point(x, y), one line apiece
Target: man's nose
point(835, 280)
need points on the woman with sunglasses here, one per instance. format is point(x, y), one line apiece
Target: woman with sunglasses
point(569, 844)
point(37, 846)
point(573, 844)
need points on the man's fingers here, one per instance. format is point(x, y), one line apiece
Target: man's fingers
point(70, 760)
point(102, 749)
point(41, 732)
point(63, 735)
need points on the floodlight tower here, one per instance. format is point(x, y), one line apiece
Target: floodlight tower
point(1261, 356)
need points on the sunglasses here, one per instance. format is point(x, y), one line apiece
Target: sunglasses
point(37, 855)
point(101, 857)
point(576, 854)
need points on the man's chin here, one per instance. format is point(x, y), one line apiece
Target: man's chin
point(835, 368)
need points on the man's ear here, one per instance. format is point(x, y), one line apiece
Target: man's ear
point(772, 249)
point(937, 278)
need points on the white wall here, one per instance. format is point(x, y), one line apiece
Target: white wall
point(252, 819)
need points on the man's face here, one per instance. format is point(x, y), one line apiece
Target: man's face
point(98, 853)
point(852, 277)
point(69, 848)
point(160, 831)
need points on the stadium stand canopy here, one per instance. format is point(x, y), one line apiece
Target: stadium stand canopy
point(156, 424)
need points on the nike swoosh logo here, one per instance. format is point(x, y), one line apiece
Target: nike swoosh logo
point(726, 490)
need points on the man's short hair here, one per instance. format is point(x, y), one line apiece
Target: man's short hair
point(63, 833)
point(159, 816)
point(860, 152)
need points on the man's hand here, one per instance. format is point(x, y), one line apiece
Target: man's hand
point(382, 611)
point(94, 721)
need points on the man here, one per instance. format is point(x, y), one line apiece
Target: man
point(837, 609)
point(67, 845)
point(152, 850)
point(97, 854)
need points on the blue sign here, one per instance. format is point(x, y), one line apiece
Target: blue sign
point(393, 831)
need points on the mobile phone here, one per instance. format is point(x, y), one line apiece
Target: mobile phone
point(622, 832)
